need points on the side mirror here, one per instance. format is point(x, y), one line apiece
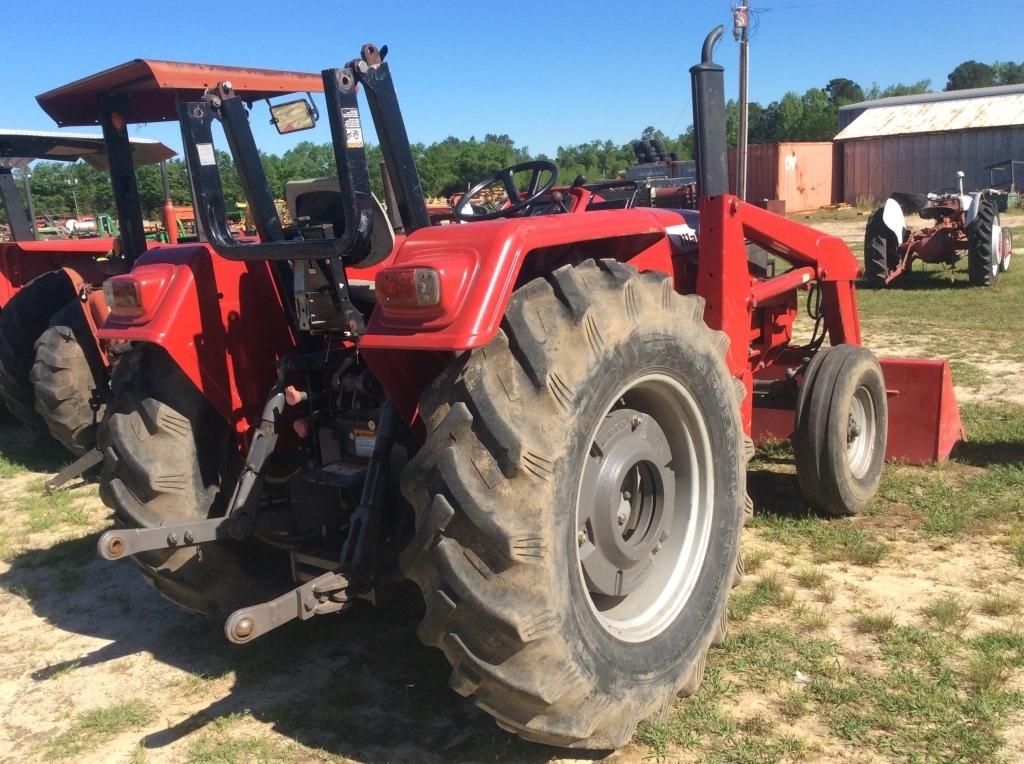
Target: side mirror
point(293, 116)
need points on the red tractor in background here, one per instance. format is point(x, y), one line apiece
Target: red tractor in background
point(52, 370)
point(566, 401)
point(960, 222)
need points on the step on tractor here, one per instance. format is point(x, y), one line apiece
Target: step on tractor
point(543, 419)
point(960, 222)
point(53, 372)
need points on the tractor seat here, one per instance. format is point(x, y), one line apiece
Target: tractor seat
point(322, 206)
point(938, 212)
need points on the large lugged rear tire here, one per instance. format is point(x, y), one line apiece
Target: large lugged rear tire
point(983, 249)
point(23, 319)
point(168, 456)
point(67, 375)
point(879, 249)
point(554, 585)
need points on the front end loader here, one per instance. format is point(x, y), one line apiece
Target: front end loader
point(542, 419)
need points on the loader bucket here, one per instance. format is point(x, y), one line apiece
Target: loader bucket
point(924, 420)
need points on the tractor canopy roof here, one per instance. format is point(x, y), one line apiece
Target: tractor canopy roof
point(147, 90)
point(19, 147)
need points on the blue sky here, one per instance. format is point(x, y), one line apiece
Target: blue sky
point(546, 73)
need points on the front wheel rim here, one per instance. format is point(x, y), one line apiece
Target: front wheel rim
point(860, 432)
point(645, 508)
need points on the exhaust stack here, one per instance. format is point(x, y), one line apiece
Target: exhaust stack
point(708, 81)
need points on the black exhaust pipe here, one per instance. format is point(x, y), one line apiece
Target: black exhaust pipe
point(708, 80)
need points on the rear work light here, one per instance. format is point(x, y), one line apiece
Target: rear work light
point(123, 297)
point(409, 288)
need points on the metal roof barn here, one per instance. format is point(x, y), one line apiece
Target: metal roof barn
point(918, 143)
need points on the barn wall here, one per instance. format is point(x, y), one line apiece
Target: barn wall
point(876, 167)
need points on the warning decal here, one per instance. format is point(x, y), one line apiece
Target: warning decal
point(353, 128)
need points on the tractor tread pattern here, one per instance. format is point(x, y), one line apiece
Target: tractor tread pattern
point(24, 318)
point(156, 470)
point(477, 483)
point(65, 379)
point(980, 253)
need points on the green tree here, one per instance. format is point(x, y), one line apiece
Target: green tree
point(971, 74)
point(842, 91)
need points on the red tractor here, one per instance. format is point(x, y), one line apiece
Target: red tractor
point(567, 403)
point(70, 394)
point(960, 222)
point(52, 370)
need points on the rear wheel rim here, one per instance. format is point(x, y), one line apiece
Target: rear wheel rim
point(645, 508)
point(860, 432)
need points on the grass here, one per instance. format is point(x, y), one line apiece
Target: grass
point(948, 613)
point(9, 468)
point(752, 561)
point(769, 591)
point(998, 604)
point(220, 749)
point(92, 729)
point(46, 512)
point(836, 541)
point(810, 577)
point(814, 619)
point(875, 624)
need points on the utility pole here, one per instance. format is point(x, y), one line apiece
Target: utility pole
point(73, 182)
point(741, 31)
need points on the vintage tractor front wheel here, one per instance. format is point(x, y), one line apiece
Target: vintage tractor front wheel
point(579, 503)
point(841, 430)
point(984, 245)
point(69, 380)
point(1007, 248)
point(168, 456)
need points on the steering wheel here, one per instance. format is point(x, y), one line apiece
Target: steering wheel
point(506, 177)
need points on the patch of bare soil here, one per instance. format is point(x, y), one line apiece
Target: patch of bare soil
point(1003, 379)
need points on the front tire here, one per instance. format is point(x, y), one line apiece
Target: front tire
point(67, 376)
point(571, 611)
point(842, 425)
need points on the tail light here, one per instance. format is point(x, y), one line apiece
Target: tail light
point(124, 297)
point(409, 288)
point(134, 296)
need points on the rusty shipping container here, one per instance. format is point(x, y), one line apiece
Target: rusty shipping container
point(801, 174)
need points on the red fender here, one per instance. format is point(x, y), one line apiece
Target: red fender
point(193, 302)
point(480, 265)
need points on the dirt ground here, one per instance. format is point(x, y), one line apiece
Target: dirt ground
point(95, 666)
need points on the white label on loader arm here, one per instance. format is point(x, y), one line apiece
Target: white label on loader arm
point(353, 128)
point(207, 156)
